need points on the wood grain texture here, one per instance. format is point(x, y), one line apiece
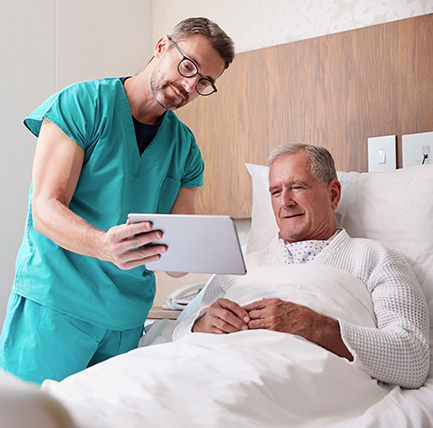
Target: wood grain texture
point(334, 91)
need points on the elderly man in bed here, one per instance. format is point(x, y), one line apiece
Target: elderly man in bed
point(305, 193)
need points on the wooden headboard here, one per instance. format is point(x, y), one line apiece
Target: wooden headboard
point(335, 91)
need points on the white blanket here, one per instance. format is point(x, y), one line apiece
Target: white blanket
point(248, 379)
point(325, 289)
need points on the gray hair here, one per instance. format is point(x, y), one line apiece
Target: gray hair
point(218, 39)
point(321, 162)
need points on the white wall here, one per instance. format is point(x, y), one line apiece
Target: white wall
point(27, 74)
point(255, 24)
point(101, 38)
point(45, 45)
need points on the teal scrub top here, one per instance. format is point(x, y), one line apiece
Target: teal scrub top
point(115, 180)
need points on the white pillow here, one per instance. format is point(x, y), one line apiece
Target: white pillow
point(263, 223)
point(394, 207)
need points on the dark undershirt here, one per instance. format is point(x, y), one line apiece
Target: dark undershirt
point(144, 133)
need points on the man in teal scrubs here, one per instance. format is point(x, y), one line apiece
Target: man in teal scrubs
point(105, 148)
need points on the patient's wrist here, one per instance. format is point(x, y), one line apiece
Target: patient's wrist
point(330, 338)
point(197, 326)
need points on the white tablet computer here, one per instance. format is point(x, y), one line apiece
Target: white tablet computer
point(196, 243)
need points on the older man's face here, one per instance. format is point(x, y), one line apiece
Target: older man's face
point(304, 208)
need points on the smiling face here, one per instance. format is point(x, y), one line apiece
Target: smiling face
point(169, 88)
point(303, 207)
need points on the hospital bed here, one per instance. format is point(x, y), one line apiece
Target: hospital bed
point(263, 378)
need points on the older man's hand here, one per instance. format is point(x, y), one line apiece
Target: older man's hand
point(289, 317)
point(223, 316)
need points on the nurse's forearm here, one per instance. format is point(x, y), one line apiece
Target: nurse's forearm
point(57, 222)
point(123, 245)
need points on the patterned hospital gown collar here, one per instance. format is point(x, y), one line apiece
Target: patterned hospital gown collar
point(302, 251)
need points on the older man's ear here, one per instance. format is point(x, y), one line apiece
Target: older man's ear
point(335, 189)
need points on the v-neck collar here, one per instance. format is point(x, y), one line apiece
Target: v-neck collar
point(141, 165)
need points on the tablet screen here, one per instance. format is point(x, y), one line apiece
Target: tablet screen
point(196, 243)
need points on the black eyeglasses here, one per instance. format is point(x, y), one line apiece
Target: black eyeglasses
point(188, 68)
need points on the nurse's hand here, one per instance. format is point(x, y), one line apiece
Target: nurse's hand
point(126, 245)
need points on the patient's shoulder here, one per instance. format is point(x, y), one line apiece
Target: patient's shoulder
point(371, 249)
point(270, 255)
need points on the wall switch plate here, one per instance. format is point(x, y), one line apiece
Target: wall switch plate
point(382, 153)
point(417, 149)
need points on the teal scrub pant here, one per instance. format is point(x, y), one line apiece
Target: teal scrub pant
point(39, 343)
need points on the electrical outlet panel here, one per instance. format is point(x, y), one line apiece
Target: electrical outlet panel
point(417, 149)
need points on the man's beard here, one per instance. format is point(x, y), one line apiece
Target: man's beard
point(161, 97)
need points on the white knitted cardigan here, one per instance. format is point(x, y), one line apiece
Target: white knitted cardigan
point(395, 352)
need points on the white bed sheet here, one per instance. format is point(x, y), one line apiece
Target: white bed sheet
point(247, 379)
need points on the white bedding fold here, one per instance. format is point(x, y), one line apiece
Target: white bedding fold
point(327, 290)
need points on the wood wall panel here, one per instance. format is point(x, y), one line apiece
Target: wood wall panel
point(334, 91)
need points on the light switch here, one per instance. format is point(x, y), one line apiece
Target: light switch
point(382, 153)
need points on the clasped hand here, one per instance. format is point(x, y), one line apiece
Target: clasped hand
point(226, 316)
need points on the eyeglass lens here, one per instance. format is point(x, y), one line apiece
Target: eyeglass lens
point(187, 68)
